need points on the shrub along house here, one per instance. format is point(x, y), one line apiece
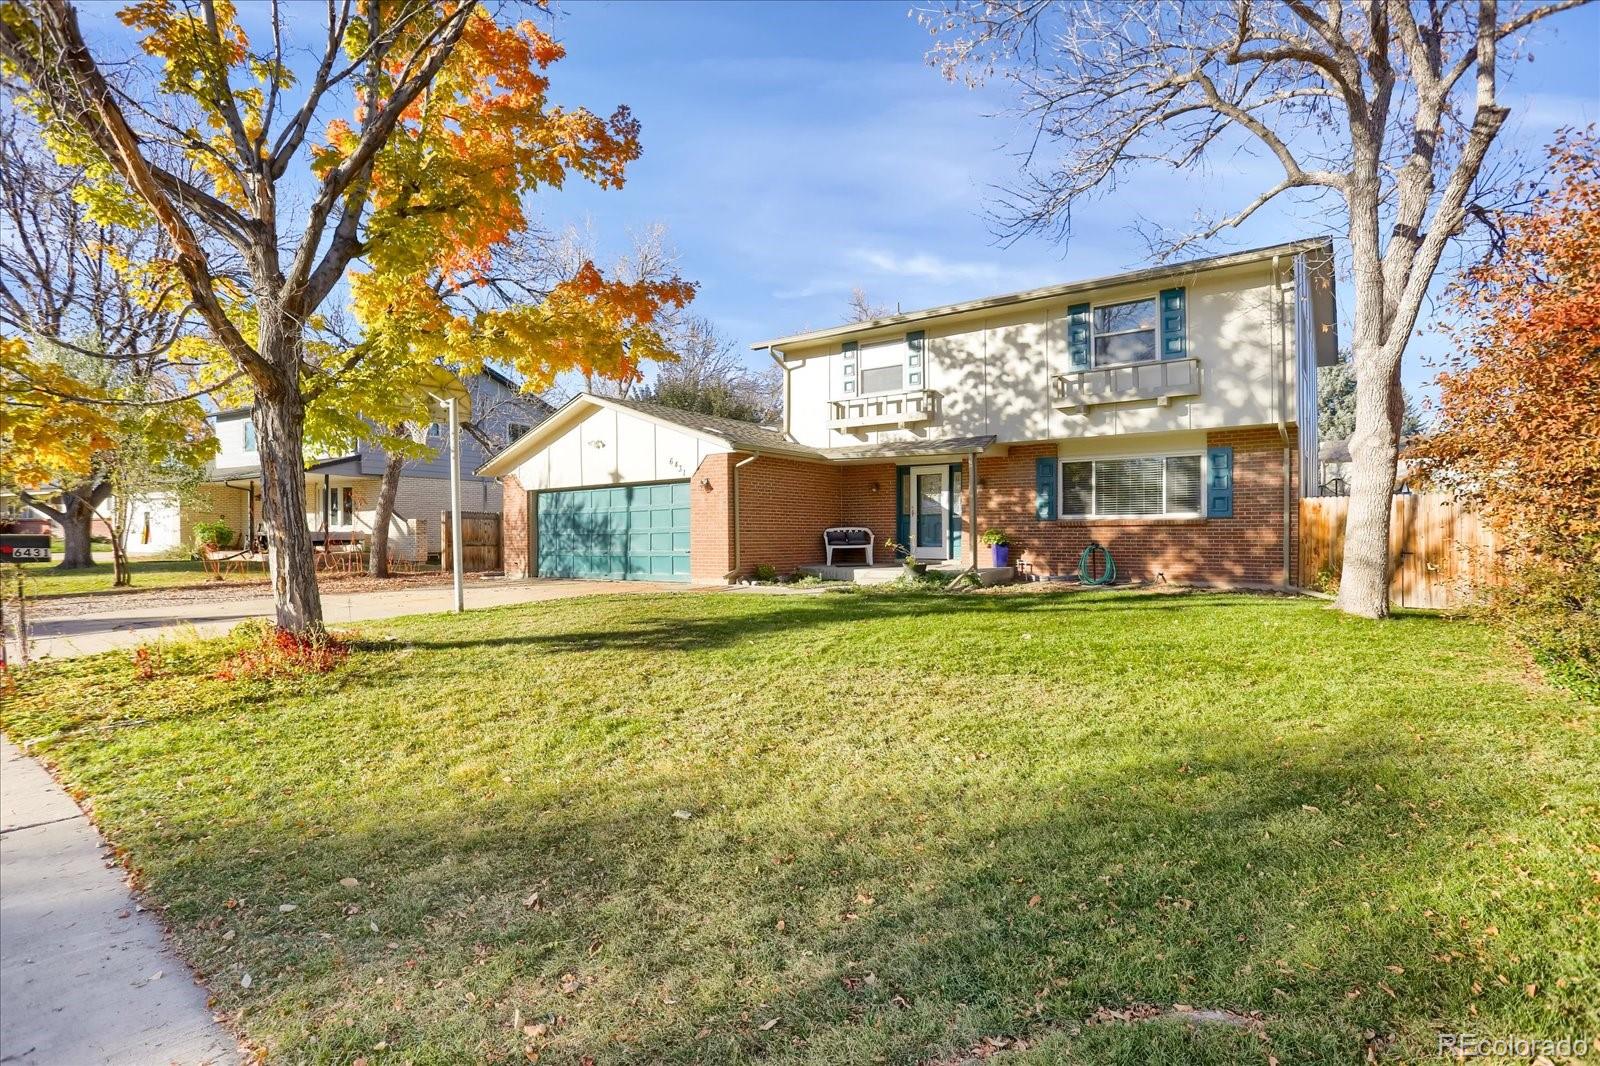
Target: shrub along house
point(1165, 413)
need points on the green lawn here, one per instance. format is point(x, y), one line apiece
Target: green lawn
point(45, 580)
point(915, 822)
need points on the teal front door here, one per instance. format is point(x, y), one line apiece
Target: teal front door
point(619, 533)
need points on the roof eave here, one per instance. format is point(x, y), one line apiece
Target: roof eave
point(1049, 292)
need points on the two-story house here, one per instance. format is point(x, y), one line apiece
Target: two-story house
point(1164, 413)
point(342, 490)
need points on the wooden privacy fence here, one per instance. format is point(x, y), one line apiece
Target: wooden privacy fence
point(1439, 552)
point(480, 541)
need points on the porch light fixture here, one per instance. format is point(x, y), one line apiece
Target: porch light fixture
point(705, 483)
point(874, 487)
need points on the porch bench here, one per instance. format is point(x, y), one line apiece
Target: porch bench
point(847, 537)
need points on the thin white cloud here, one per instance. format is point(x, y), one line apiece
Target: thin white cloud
point(925, 266)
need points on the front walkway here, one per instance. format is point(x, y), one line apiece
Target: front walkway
point(61, 630)
point(85, 977)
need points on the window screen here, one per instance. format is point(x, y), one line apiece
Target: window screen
point(1077, 488)
point(883, 379)
point(1183, 484)
point(1128, 486)
point(1125, 333)
point(1144, 485)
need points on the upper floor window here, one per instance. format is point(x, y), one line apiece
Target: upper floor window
point(1125, 333)
point(1133, 487)
point(883, 378)
point(514, 431)
point(249, 436)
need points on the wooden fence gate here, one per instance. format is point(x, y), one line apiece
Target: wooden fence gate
point(1439, 552)
point(480, 541)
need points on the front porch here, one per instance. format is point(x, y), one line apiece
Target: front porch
point(887, 575)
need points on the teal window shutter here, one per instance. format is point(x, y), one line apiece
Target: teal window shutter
point(851, 353)
point(1219, 482)
point(1174, 328)
point(956, 489)
point(902, 517)
point(1078, 336)
point(1044, 481)
point(914, 347)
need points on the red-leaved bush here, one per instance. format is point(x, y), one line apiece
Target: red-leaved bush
point(280, 653)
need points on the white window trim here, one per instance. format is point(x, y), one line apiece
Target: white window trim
point(1094, 333)
point(1175, 516)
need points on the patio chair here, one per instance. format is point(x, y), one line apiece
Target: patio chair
point(847, 537)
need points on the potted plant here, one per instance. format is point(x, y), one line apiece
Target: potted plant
point(999, 545)
point(912, 564)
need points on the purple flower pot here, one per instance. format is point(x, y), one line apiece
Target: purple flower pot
point(1002, 554)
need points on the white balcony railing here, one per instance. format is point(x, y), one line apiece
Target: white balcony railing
point(885, 409)
point(1159, 381)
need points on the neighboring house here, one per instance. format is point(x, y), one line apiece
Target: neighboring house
point(1164, 413)
point(342, 490)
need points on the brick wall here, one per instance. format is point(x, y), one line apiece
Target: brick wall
point(861, 506)
point(710, 519)
point(1246, 549)
point(515, 554)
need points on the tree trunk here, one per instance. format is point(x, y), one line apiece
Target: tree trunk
point(121, 577)
point(77, 531)
point(378, 558)
point(75, 516)
point(280, 437)
point(1374, 450)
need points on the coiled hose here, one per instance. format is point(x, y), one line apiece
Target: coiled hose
point(1085, 571)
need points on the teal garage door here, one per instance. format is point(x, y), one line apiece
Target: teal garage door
point(620, 533)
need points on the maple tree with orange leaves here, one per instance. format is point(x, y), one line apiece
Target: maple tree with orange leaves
point(396, 161)
point(1519, 404)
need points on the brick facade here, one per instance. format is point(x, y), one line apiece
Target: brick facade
point(785, 504)
point(516, 550)
point(1246, 549)
point(711, 519)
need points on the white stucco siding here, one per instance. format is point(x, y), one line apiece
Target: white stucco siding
point(994, 371)
point(611, 447)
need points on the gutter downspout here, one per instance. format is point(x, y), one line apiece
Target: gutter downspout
point(783, 365)
point(1280, 382)
point(734, 573)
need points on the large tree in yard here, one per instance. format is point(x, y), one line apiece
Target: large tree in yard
point(393, 159)
point(93, 346)
point(1381, 113)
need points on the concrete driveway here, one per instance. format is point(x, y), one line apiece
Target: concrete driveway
point(61, 630)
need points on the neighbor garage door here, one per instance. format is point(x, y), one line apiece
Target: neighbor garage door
point(621, 533)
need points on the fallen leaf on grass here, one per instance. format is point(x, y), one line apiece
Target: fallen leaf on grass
point(769, 1023)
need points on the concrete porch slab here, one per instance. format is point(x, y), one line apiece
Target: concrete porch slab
point(885, 575)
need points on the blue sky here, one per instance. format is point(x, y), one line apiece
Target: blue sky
point(795, 150)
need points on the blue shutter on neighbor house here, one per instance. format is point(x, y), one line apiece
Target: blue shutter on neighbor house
point(902, 519)
point(1219, 482)
point(850, 351)
point(914, 360)
point(1174, 335)
point(1044, 483)
point(1078, 336)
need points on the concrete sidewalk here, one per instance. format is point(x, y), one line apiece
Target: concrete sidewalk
point(84, 977)
point(68, 635)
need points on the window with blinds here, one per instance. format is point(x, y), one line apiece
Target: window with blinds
point(1146, 485)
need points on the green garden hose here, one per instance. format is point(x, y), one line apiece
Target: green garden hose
point(1085, 574)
